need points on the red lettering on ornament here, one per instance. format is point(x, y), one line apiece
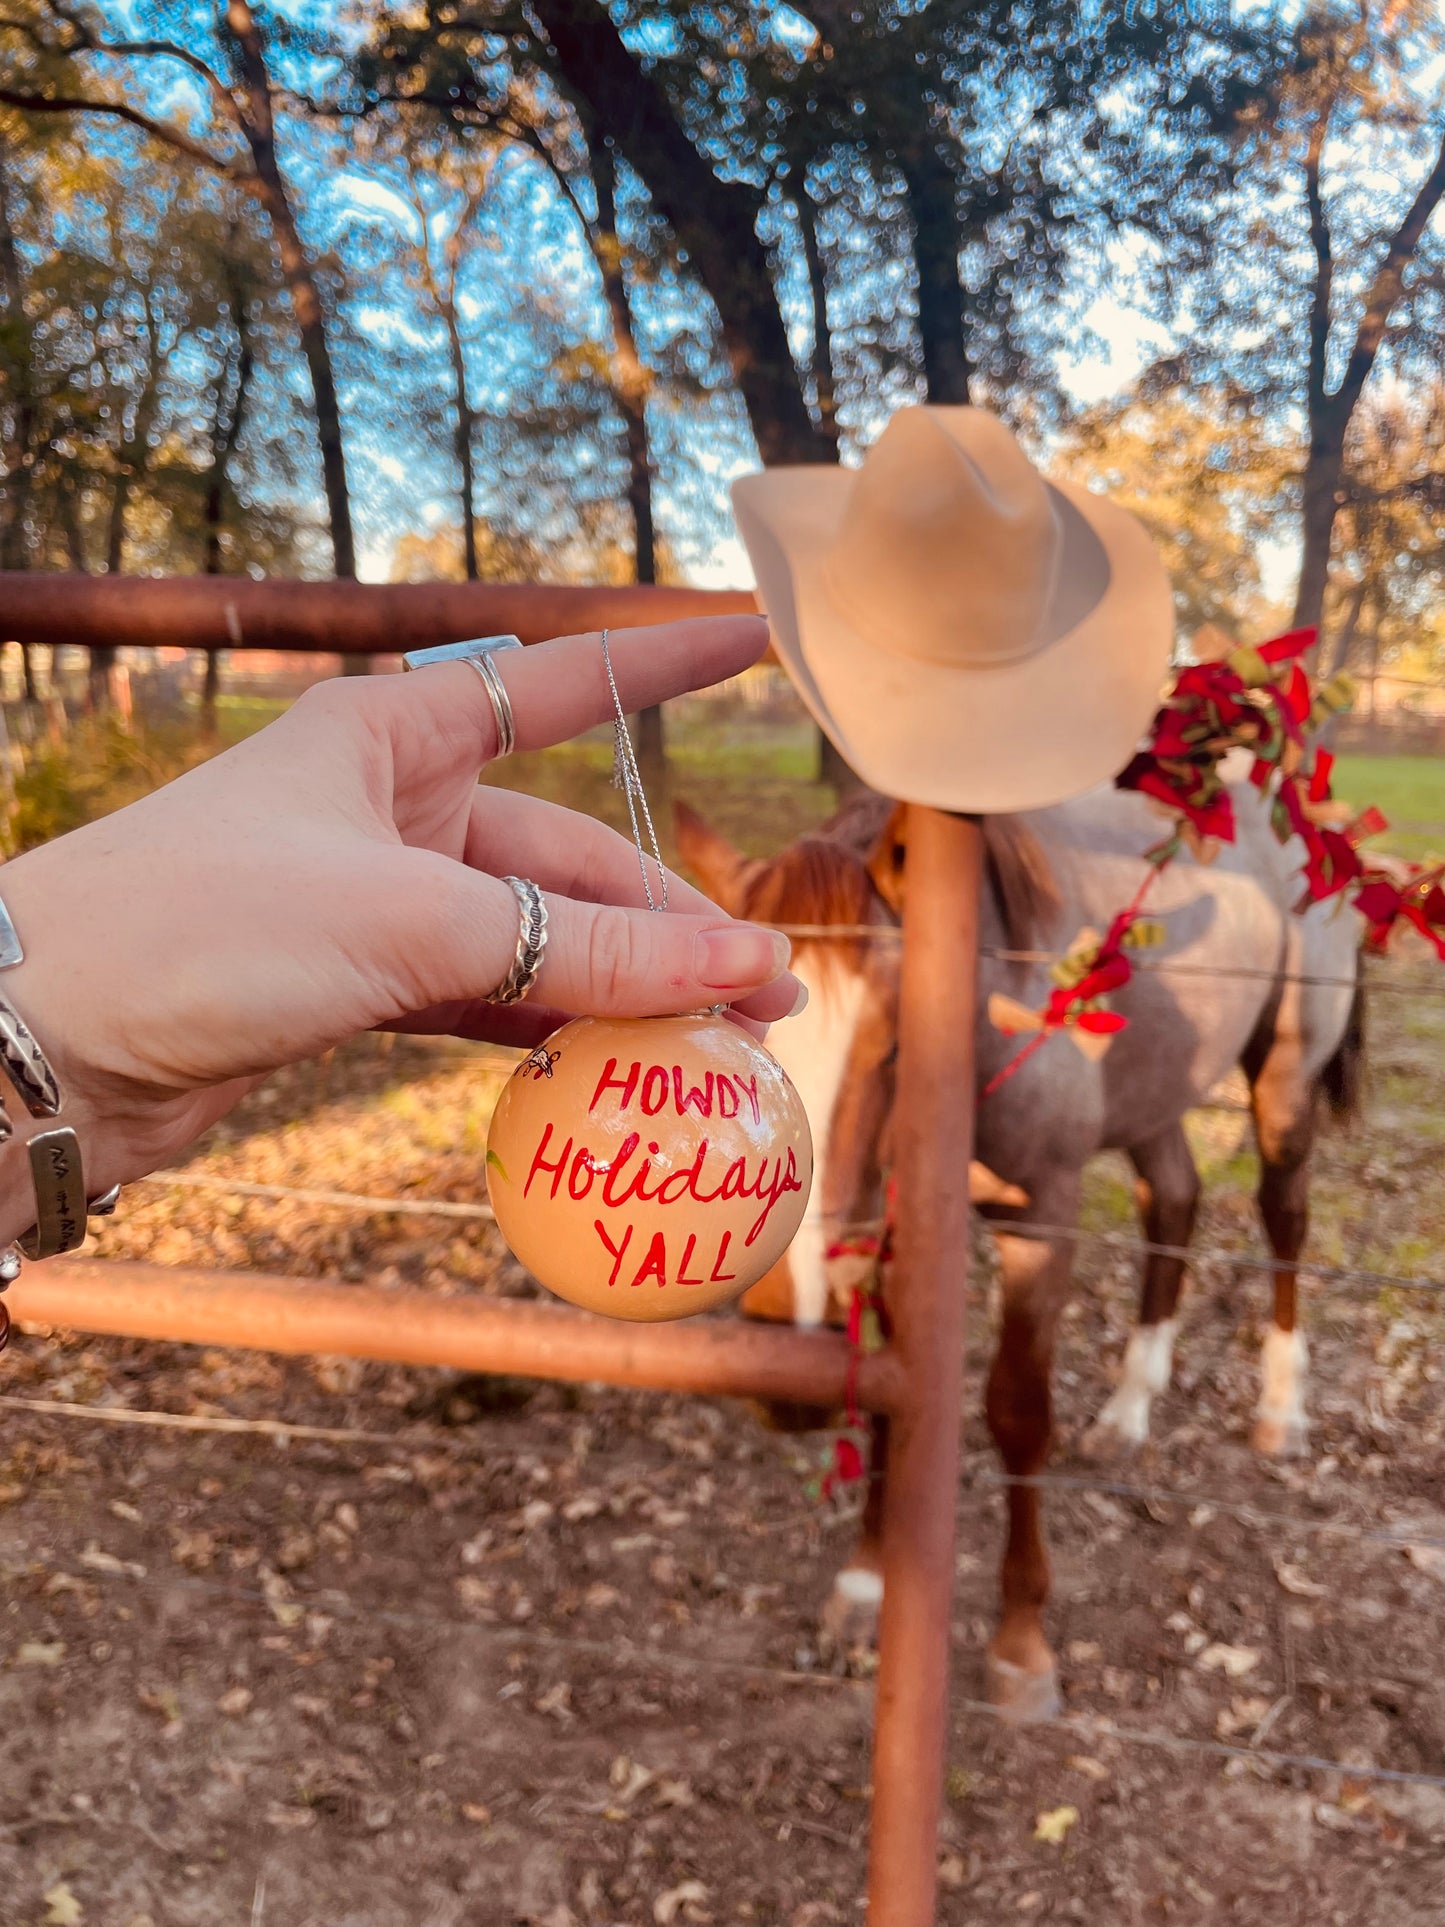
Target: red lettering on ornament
point(616, 1250)
point(718, 1276)
point(659, 1088)
point(682, 1277)
point(726, 1089)
point(654, 1265)
point(539, 1162)
point(582, 1167)
point(693, 1099)
point(607, 1082)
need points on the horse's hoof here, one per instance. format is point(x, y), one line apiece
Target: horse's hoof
point(1023, 1697)
point(849, 1619)
point(1281, 1438)
point(1106, 1441)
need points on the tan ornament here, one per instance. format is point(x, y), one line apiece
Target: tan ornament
point(649, 1168)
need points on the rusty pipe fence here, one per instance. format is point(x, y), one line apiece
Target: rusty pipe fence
point(914, 1384)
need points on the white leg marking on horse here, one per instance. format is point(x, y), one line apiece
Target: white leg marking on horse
point(859, 1586)
point(1284, 1371)
point(813, 1049)
point(1148, 1362)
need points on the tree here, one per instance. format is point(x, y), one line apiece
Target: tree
point(1328, 266)
point(1205, 475)
point(69, 60)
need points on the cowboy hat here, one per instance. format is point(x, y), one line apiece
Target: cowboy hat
point(968, 634)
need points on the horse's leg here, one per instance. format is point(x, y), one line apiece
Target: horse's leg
point(1168, 1194)
point(1284, 1126)
point(1022, 1674)
point(850, 1612)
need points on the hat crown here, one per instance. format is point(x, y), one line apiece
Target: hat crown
point(949, 548)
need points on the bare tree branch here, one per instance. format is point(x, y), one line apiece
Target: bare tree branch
point(118, 110)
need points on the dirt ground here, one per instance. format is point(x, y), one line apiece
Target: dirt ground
point(497, 1653)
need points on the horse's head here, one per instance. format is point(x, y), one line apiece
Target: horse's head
point(839, 892)
point(839, 1052)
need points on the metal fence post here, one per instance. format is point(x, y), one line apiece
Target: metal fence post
point(932, 1147)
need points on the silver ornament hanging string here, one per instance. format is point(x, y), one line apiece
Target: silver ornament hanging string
point(628, 778)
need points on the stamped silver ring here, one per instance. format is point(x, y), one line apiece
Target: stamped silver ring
point(479, 654)
point(531, 942)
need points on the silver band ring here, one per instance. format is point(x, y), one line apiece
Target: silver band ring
point(479, 651)
point(499, 699)
point(531, 942)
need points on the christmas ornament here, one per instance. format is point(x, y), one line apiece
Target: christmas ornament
point(649, 1167)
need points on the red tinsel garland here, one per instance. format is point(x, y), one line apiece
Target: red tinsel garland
point(1262, 700)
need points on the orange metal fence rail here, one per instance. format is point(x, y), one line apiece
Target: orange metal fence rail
point(336, 618)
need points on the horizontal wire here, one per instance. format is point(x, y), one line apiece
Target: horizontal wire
point(1102, 1728)
point(893, 933)
point(300, 1194)
point(1193, 1255)
point(1243, 1509)
point(1236, 1261)
point(343, 1606)
point(206, 1422)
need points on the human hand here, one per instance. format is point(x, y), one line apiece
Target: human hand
point(338, 872)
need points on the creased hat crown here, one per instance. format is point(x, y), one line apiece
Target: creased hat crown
point(949, 548)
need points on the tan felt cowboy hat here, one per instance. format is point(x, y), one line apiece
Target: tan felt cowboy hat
point(969, 634)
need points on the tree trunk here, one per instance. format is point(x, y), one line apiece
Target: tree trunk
point(225, 449)
point(932, 199)
point(1320, 504)
point(257, 122)
point(20, 466)
point(631, 384)
point(833, 770)
point(825, 394)
point(462, 435)
point(714, 220)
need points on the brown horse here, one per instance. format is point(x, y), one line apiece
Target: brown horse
point(1239, 984)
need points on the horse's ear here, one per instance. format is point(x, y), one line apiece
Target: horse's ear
point(885, 859)
point(713, 861)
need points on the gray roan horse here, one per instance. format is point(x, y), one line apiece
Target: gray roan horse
point(1235, 989)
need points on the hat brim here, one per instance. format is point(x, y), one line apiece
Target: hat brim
point(994, 737)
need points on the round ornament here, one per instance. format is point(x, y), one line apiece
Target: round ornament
point(649, 1168)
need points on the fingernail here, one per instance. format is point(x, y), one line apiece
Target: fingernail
point(733, 956)
point(800, 1002)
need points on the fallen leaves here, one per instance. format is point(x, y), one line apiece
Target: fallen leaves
point(669, 1906)
point(40, 1652)
point(1052, 1826)
point(62, 1909)
point(1429, 1559)
point(1233, 1661)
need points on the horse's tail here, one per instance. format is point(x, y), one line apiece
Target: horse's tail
point(1023, 880)
point(1343, 1077)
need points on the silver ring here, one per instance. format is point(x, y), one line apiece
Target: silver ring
point(499, 699)
point(479, 652)
point(531, 942)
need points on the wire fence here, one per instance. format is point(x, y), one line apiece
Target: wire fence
point(1122, 1242)
point(339, 1606)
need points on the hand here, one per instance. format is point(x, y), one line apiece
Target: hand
point(338, 872)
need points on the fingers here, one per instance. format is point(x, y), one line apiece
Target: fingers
point(579, 857)
point(520, 1025)
point(456, 936)
point(556, 689)
point(560, 849)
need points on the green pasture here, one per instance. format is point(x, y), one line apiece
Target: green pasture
point(1411, 792)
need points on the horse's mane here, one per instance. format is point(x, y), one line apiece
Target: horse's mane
point(823, 878)
point(814, 881)
point(1023, 881)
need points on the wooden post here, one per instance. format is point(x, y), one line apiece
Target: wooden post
point(933, 1145)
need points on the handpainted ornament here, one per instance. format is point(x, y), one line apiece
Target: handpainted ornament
point(649, 1168)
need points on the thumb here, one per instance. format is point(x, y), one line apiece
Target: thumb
point(598, 959)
